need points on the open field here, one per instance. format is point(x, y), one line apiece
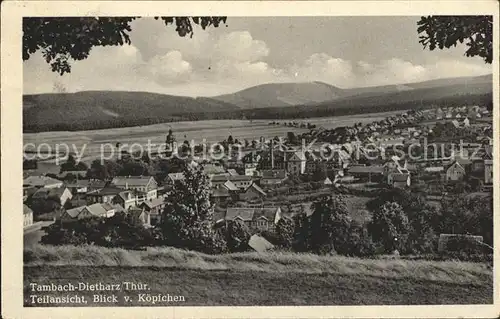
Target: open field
point(240, 279)
point(90, 142)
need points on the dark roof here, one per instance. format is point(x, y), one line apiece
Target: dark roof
point(221, 178)
point(257, 188)
point(398, 177)
point(366, 169)
point(49, 192)
point(248, 214)
point(154, 202)
point(220, 192)
point(273, 173)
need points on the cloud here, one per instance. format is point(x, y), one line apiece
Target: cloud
point(215, 61)
point(169, 68)
point(241, 47)
point(323, 67)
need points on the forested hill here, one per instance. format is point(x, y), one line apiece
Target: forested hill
point(109, 109)
point(100, 109)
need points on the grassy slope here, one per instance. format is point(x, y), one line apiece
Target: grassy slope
point(264, 279)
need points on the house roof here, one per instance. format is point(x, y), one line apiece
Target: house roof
point(230, 186)
point(259, 244)
point(248, 214)
point(243, 213)
point(213, 169)
point(434, 169)
point(273, 173)
point(78, 183)
point(96, 209)
point(220, 192)
point(296, 156)
point(257, 188)
point(106, 191)
point(49, 192)
point(154, 202)
point(398, 177)
point(221, 178)
point(366, 169)
point(26, 210)
point(176, 176)
point(232, 172)
point(132, 180)
point(73, 212)
point(40, 181)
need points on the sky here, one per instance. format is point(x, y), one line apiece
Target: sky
point(343, 51)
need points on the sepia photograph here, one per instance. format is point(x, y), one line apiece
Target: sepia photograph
point(242, 160)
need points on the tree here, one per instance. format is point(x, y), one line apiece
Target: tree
point(389, 226)
point(63, 39)
point(329, 224)
point(72, 165)
point(422, 236)
point(285, 229)
point(291, 137)
point(237, 236)
point(187, 220)
point(105, 171)
point(446, 31)
point(230, 139)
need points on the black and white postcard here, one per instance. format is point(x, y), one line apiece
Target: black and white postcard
point(249, 159)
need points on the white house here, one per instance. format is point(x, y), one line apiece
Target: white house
point(146, 184)
point(455, 172)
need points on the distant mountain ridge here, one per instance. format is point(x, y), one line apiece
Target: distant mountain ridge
point(292, 94)
point(282, 94)
point(108, 109)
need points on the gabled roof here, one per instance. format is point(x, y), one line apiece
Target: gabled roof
point(230, 186)
point(96, 209)
point(74, 212)
point(49, 192)
point(457, 164)
point(248, 214)
point(106, 191)
point(154, 202)
point(296, 156)
point(122, 181)
point(259, 244)
point(257, 188)
point(243, 213)
point(232, 172)
point(40, 181)
point(176, 176)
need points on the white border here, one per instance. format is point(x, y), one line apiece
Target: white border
point(11, 148)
